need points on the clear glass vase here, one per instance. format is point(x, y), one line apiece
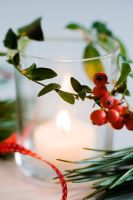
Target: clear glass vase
point(47, 124)
point(7, 104)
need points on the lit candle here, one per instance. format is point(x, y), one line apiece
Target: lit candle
point(63, 138)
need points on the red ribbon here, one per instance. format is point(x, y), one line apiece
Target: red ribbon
point(9, 147)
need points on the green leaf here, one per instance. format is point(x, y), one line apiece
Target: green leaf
point(66, 96)
point(28, 71)
point(39, 74)
point(126, 69)
point(3, 53)
point(122, 88)
point(82, 94)
point(93, 66)
point(76, 85)
point(15, 60)
point(102, 28)
point(87, 88)
point(74, 26)
point(11, 40)
point(91, 51)
point(32, 30)
point(80, 89)
point(127, 92)
point(48, 88)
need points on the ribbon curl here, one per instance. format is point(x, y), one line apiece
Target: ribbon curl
point(8, 147)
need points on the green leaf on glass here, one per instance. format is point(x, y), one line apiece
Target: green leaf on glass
point(92, 66)
point(66, 96)
point(48, 88)
point(33, 30)
point(39, 74)
point(125, 71)
point(10, 40)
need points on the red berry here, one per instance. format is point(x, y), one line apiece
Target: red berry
point(117, 105)
point(117, 102)
point(129, 123)
point(98, 117)
point(100, 79)
point(107, 101)
point(113, 116)
point(100, 91)
point(118, 108)
point(119, 124)
point(124, 110)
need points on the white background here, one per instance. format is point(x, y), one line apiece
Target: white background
point(57, 13)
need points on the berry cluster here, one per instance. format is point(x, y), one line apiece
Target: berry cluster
point(112, 109)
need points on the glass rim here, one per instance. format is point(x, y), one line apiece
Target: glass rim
point(62, 38)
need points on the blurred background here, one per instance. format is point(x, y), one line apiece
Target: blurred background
point(56, 14)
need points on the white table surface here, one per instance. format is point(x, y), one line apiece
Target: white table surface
point(15, 186)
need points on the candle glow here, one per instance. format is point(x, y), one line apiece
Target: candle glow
point(63, 121)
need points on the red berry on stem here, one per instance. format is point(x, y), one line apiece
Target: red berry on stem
point(124, 110)
point(129, 123)
point(119, 124)
point(100, 79)
point(98, 117)
point(117, 105)
point(113, 116)
point(107, 101)
point(118, 108)
point(117, 102)
point(100, 91)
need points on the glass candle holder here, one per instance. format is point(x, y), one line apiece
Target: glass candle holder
point(47, 124)
point(7, 104)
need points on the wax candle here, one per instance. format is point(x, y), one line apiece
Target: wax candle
point(63, 138)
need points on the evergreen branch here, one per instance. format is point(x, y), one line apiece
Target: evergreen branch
point(113, 171)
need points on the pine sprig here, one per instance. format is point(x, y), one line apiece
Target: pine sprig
point(112, 171)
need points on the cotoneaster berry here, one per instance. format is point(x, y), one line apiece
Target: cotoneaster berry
point(124, 110)
point(118, 105)
point(98, 117)
point(100, 91)
point(119, 124)
point(129, 123)
point(107, 101)
point(112, 110)
point(100, 79)
point(113, 116)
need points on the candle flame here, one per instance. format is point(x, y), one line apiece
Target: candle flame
point(63, 121)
